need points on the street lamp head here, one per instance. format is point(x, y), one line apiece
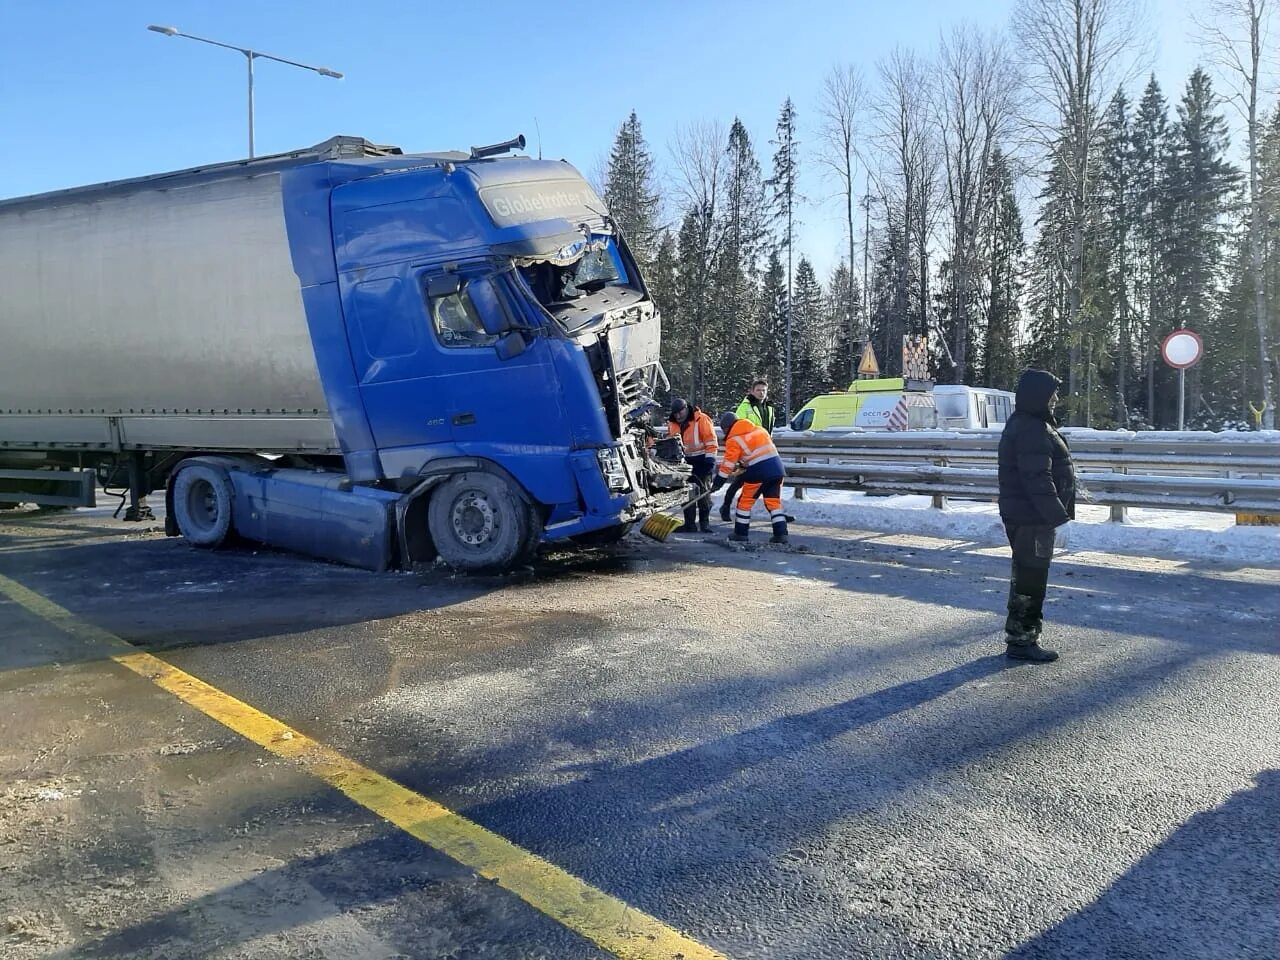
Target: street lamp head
point(167, 31)
point(326, 72)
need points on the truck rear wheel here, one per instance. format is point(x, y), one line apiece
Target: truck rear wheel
point(479, 523)
point(202, 501)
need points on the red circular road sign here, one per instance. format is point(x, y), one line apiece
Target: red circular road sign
point(1182, 349)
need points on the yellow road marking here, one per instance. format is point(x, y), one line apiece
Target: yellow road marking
point(574, 903)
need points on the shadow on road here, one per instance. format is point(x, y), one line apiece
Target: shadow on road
point(1211, 890)
point(443, 910)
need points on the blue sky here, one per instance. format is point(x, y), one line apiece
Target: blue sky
point(87, 94)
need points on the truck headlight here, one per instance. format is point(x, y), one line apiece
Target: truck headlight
point(615, 474)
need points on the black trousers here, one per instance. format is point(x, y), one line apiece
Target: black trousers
point(703, 467)
point(1032, 546)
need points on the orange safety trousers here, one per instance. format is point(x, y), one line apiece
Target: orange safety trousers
point(770, 490)
point(772, 496)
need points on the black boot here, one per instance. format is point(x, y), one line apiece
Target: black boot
point(780, 532)
point(704, 516)
point(1030, 652)
point(1022, 631)
point(690, 518)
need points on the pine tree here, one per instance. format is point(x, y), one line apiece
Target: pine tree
point(809, 349)
point(1002, 249)
point(772, 323)
point(786, 196)
point(889, 305)
point(1201, 186)
point(629, 190)
point(1150, 139)
point(1269, 190)
point(734, 310)
point(745, 207)
point(844, 319)
point(1048, 292)
point(1231, 364)
point(1117, 228)
point(689, 372)
point(664, 286)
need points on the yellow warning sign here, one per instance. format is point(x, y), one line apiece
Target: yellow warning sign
point(868, 366)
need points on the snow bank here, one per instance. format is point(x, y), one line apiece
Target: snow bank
point(1152, 533)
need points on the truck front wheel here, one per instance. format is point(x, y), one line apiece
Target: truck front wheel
point(202, 499)
point(479, 523)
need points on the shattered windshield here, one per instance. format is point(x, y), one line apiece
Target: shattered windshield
point(589, 267)
point(595, 271)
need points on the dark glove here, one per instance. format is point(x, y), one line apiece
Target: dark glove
point(718, 484)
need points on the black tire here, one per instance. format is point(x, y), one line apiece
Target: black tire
point(478, 522)
point(604, 537)
point(202, 504)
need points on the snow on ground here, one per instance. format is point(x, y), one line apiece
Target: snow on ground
point(1174, 534)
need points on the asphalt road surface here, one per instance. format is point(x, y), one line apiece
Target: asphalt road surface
point(816, 754)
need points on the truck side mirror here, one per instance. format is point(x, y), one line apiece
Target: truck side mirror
point(511, 345)
point(493, 313)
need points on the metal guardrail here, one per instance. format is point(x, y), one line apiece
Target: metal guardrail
point(1172, 471)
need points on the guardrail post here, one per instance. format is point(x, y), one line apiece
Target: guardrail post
point(799, 491)
point(1119, 512)
point(940, 500)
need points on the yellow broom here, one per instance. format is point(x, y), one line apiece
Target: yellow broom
point(659, 526)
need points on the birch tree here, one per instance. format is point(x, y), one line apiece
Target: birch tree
point(908, 178)
point(840, 110)
point(973, 110)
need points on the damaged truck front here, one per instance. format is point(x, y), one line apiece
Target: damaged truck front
point(360, 354)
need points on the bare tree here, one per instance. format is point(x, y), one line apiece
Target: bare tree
point(698, 156)
point(973, 110)
point(1235, 33)
point(1076, 52)
point(908, 180)
point(841, 110)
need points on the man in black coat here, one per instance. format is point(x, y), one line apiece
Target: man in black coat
point(1037, 495)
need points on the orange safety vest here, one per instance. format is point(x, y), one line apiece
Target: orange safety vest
point(698, 435)
point(745, 445)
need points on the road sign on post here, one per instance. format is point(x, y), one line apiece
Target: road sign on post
point(1182, 349)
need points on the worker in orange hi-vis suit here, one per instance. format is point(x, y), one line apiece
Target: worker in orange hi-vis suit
point(750, 448)
point(698, 434)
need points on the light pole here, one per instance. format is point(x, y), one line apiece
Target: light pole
point(250, 56)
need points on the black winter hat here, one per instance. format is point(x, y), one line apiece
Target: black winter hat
point(727, 420)
point(677, 404)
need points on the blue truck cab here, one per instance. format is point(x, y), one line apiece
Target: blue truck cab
point(487, 346)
